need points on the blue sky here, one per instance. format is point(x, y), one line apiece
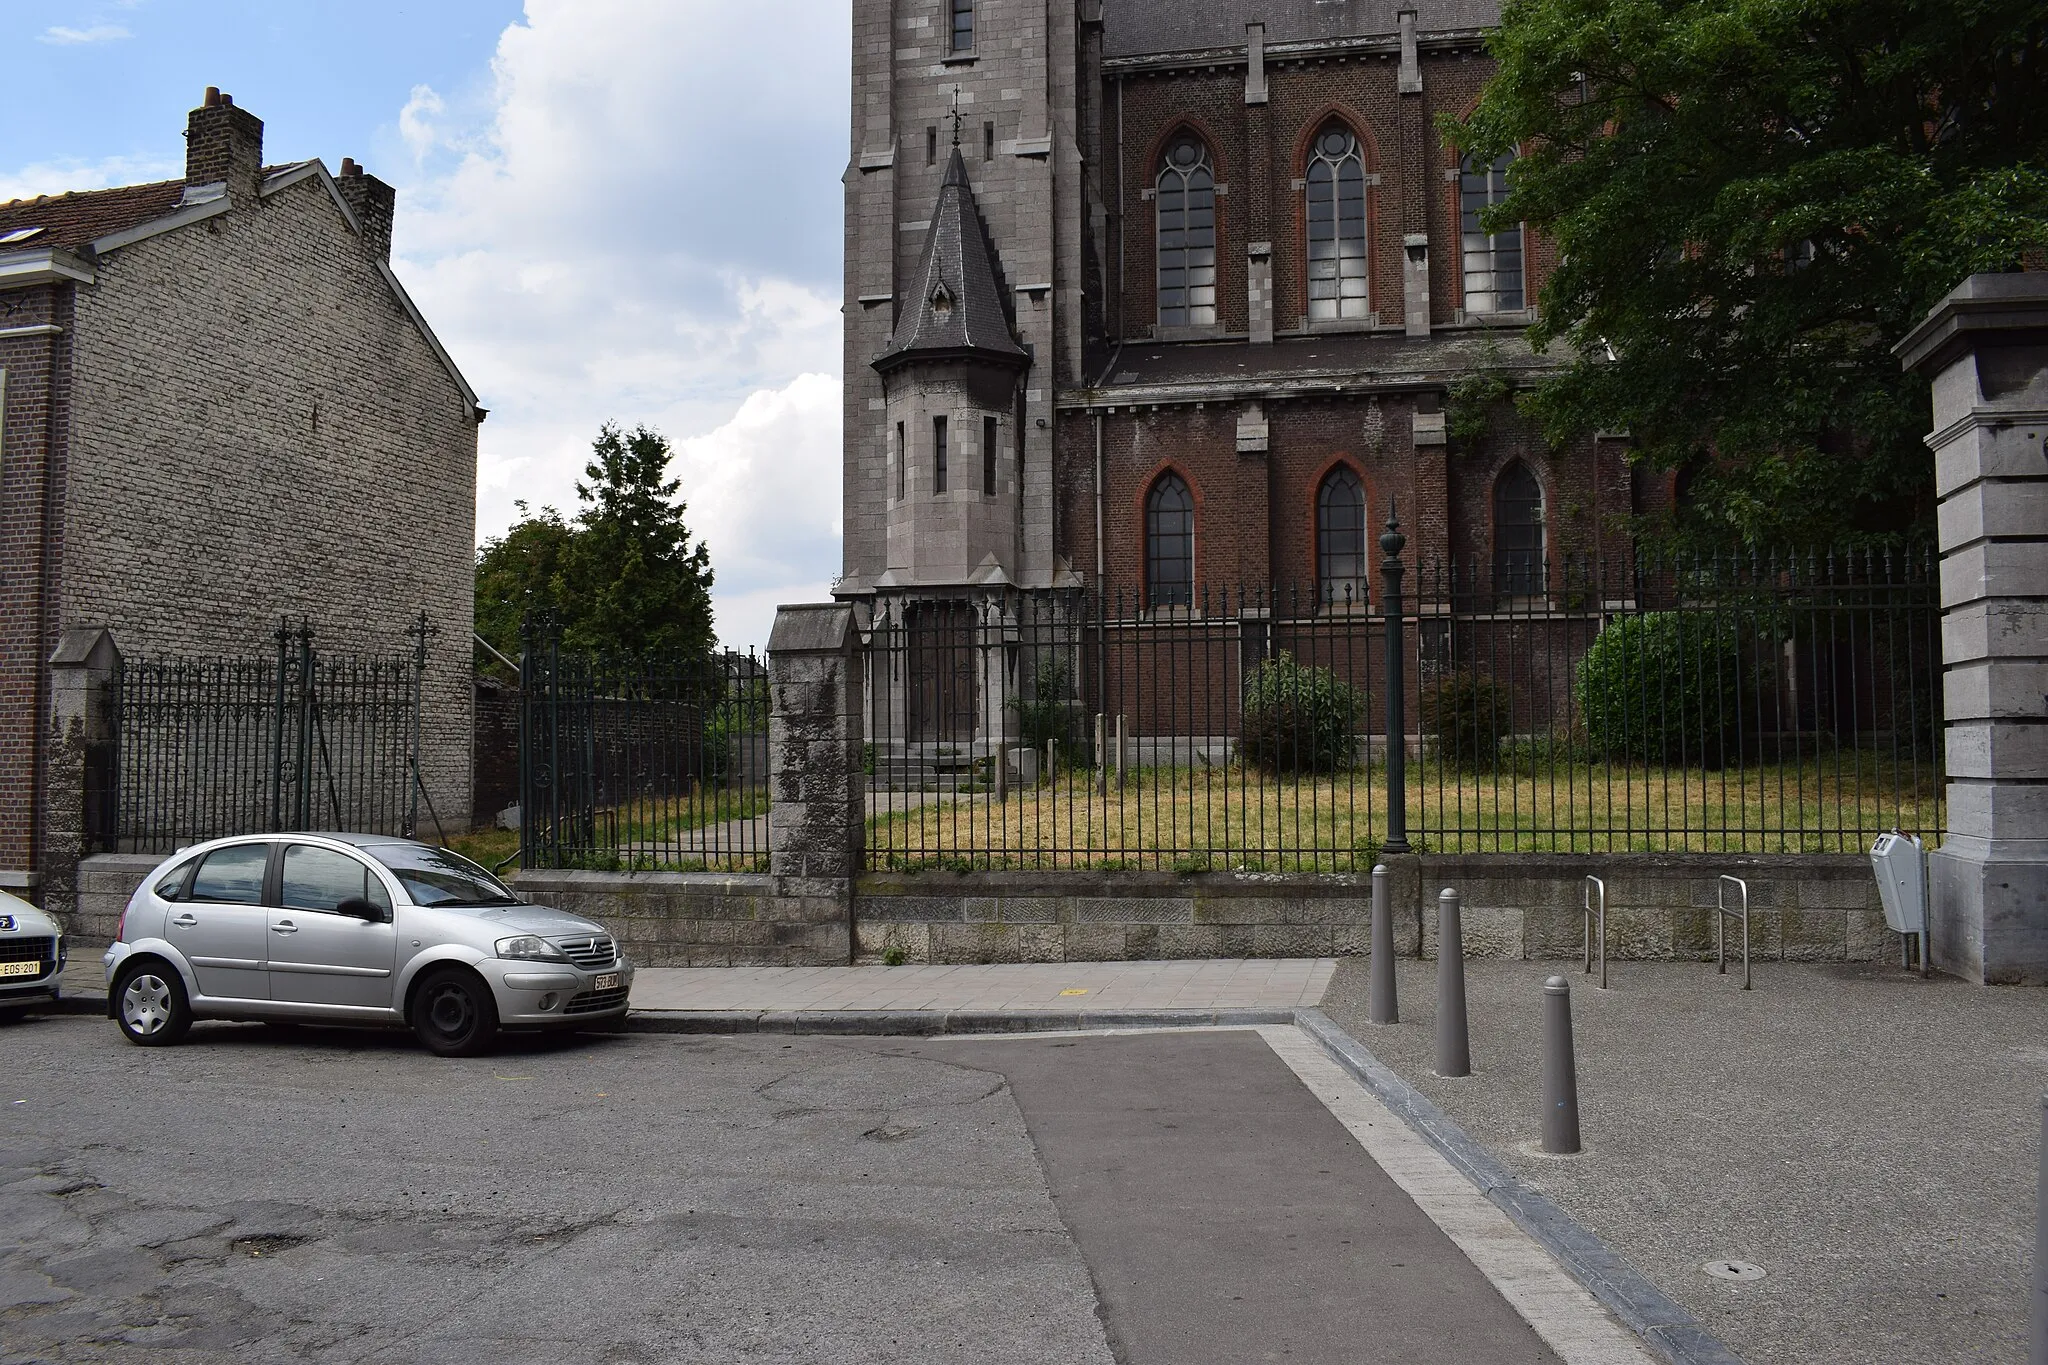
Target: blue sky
point(608, 209)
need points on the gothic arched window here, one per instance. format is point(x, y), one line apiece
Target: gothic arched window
point(1518, 532)
point(1336, 226)
point(1493, 261)
point(1170, 543)
point(1187, 236)
point(1340, 538)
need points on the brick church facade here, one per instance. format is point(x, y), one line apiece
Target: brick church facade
point(1243, 269)
point(219, 407)
point(1162, 299)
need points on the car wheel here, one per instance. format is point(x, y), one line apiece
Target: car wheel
point(453, 1013)
point(150, 1005)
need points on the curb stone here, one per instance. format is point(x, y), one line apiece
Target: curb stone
point(932, 1023)
point(1649, 1312)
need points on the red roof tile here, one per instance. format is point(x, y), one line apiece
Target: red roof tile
point(73, 220)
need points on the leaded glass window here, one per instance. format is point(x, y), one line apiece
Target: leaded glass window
point(1518, 532)
point(1170, 543)
point(1336, 227)
point(963, 25)
point(938, 454)
point(1187, 237)
point(1493, 261)
point(988, 457)
point(1340, 538)
point(902, 463)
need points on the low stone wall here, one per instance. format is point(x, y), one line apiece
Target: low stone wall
point(105, 882)
point(706, 919)
point(1805, 908)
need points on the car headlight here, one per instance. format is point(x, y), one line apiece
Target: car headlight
point(530, 948)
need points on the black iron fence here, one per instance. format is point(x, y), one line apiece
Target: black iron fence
point(642, 763)
point(1692, 704)
point(297, 740)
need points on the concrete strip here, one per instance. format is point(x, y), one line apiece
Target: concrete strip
point(1568, 1318)
point(936, 1023)
point(1671, 1331)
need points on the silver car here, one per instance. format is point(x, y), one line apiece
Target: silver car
point(31, 956)
point(353, 929)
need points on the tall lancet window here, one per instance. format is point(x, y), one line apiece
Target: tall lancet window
point(1187, 237)
point(1336, 227)
point(1340, 538)
point(1170, 543)
point(1493, 260)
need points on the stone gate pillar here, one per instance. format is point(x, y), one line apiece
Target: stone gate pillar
point(78, 764)
point(817, 791)
point(1985, 348)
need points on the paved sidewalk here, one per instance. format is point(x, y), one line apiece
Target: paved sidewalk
point(1065, 987)
point(1865, 1136)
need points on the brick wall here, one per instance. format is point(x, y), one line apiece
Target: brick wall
point(36, 358)
point(1255, 515)
point(259, 429)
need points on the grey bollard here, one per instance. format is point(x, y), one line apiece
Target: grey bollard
point(1453, 1039)
point(1560, 1071)
point(1381, 1006)
point(2037, 1327)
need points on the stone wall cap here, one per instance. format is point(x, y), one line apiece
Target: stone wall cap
point(812, 628)
point(2014, 304)
point(85, 647)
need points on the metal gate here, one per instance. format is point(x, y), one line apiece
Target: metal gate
point(301, 740)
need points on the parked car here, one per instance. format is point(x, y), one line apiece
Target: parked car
point(31, 957)
point(353, 929)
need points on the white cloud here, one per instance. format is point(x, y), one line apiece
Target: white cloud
point(58, 35)
point(56, 177)
point(415, 121)
point(642, 224)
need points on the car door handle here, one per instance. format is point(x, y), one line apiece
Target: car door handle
point(186, 920)
point(284, 926)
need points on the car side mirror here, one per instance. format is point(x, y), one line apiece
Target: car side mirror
point(362, 908)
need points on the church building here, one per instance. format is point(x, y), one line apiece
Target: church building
point(1155, 298)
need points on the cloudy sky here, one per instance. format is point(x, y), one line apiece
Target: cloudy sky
point(608, 209)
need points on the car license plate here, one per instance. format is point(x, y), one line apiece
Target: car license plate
point(36, 969)
point(607, 982)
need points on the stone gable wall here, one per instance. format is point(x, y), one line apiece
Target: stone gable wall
point(260, 430)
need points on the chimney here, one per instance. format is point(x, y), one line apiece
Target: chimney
point(372, 202)
point(224, 145)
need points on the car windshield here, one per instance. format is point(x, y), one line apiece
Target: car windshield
point(438, 876)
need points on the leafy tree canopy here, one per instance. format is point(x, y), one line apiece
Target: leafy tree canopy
point(1753, 201)
point(622, 577)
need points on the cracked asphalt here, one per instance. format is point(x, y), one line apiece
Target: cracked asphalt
point(329, 1195)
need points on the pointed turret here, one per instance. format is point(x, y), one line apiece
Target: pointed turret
point(953, 305)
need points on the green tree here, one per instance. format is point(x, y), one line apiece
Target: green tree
point(1753, 200)
point(520, 574)
point(641, 585)
point(622, 577)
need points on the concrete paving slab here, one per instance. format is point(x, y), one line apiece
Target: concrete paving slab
point(1867, 1137)
point(1213, 984)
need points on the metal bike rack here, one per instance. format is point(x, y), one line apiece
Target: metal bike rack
point(1721, 914)
point(1592, 886)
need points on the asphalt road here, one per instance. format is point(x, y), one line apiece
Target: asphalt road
point(342, 1196)
point(320, 1195)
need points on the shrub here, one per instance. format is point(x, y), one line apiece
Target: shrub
point(1666, 687)
point(1470, 715)
point(1050, 713)
point(1299, 719)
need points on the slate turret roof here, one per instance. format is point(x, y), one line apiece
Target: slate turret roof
point(953, 303)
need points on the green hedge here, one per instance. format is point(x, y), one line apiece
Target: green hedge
point(1668, 687)
point(1470, 715)
point(1299, 718)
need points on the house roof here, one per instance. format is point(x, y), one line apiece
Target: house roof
point(1132, 28)
point(953, 307)
point(82, 217)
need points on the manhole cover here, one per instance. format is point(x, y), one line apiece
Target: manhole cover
point(1734, 1270)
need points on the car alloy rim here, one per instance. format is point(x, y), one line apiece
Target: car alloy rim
point(449, 1011)
point(146, 1004)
